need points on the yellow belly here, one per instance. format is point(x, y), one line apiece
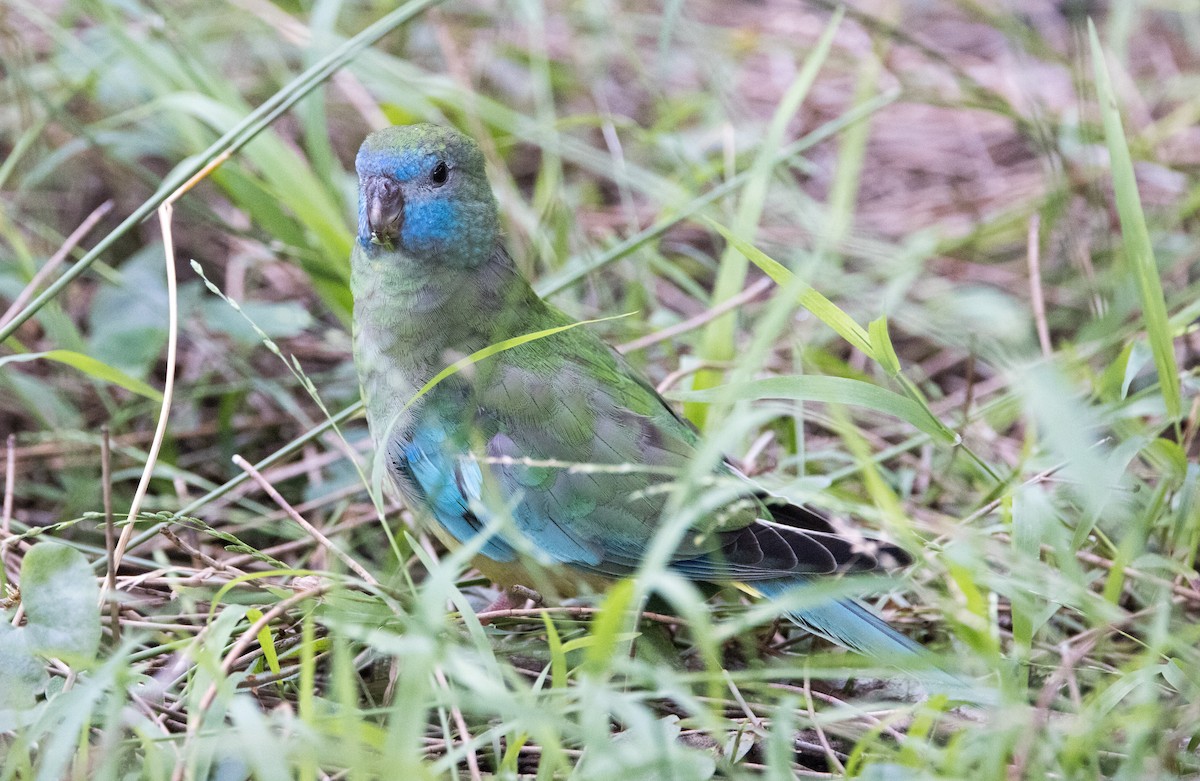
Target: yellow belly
point(554, 582)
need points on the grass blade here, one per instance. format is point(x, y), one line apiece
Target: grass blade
point(825, 310)
point(231, 142)
point(1136, 237)
point(92, 367)
point(831, 390)
point(718, 344)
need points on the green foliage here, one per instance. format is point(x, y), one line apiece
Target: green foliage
point(22, 677)
point(831, 390)
point(59, 596)
point(1135, 236)
point(881, 172)
point(719, 337)
point(90, 366)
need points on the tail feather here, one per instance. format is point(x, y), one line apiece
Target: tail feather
point(852, 625)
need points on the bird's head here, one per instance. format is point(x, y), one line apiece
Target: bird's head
point(422, 190)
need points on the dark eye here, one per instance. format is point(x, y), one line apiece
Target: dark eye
point(439, 174)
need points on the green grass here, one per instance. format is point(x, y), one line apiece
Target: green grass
point(881, 171)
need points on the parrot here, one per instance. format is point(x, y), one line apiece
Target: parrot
point(433, 284)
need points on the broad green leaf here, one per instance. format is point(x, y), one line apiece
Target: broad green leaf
point(59, 592)
point(277, 320)
point(831, 390)
point(92, 367)
point(1135, 236)
point(127, 320)
point(22, 677)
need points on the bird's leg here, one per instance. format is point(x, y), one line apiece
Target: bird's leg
point(523, 593)
point(512, 598)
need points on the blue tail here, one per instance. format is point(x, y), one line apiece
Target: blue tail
point(852, 625)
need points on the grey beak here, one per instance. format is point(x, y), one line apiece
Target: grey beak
point(385, 208)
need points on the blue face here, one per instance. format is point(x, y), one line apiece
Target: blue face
point(423, 192)
point(428, 219)
point(429, 224)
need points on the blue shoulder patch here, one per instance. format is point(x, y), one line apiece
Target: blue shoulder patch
point(450, 485)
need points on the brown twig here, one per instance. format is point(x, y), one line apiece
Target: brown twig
point(830, 755)
point(577, 611)
point(196, 553)
point(160, 430)
point(110, 533)
point(680, 373)
point(741, 701)
point(10, 473)
point(831, 700)
point(461, 724)
point(1189, 430)
point(749, 294)
point(251, 635)
point(325, 542)
point(1037, 300)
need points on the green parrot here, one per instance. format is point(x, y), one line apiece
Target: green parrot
point(433, 283)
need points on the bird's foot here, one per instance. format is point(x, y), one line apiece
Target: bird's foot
point(512, 598)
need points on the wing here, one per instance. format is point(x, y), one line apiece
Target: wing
point(583, 453)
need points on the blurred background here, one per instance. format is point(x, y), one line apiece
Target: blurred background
point(942, 164)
